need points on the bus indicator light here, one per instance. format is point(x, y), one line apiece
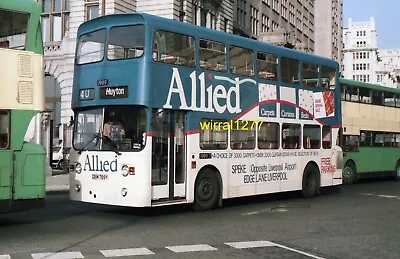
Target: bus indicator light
point(193, 164)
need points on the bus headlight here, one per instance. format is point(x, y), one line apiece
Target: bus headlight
point(78, 168)
point(124, 192)
point(77, 188)
point(125, 170)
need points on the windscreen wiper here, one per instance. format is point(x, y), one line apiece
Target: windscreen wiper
point(96, 136)
point(114, 147)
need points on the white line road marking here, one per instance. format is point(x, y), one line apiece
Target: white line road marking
point(191, 248)
point(387, 196)
point(298, 251)
point(254, 244)
point(367, 194)
point(126, 252)
point(62, 255)
point(250, 244)
point(381, 195)
point(249, 213)
point(5, 257)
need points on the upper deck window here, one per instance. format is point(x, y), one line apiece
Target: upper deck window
point(290, 70)
point(267, 66)
point(13, 29)
point(310, 74)
point(328, 77)
point(174, 48)
point(241, 61)
point(91, 47)
point(212, 55)
point(126, 42)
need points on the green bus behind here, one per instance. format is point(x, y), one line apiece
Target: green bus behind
point(22, 164)
point(371, 131)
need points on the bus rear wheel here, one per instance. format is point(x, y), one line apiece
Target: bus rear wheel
point(349, 173)
point(60, 164)
point(397, 172)
point(207, 191)
point(310, 181)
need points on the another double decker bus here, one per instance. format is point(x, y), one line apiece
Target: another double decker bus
point(371, 130)
point(167, 112)
point(22, 171)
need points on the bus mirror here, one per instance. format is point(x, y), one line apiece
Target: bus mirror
point(71, 121)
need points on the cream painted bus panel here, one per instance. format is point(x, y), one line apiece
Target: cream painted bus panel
point(21, 80)
point(359, 116)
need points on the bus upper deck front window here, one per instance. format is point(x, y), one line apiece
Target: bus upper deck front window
point(13, 29)
point(91, 47)
point(125, 42)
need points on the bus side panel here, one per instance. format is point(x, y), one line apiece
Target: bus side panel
point(385, 159)
point(5, 179)
point(29, 176)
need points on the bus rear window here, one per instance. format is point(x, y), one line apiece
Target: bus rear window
point(91, 47)
point(126, 42)
point(13, 29)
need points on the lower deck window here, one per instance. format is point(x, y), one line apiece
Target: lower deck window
point(4, 129)
point(213, 135)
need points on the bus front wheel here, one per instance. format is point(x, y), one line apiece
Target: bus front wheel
point(207, 191)
point(349, 173)
point(310, 181)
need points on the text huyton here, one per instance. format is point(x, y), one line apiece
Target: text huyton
point(219, 99)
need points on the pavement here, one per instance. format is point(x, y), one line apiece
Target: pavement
point(57, 181)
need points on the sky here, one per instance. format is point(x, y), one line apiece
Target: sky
point(385, 13)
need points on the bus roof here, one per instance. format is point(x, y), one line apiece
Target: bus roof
point(368, 85)
point(26, 6)
point(191, 29)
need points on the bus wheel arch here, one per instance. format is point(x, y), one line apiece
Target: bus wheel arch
point(397, 171)
point(60, 164)
point(311, 181)
point(349, 172)
point(208, 179)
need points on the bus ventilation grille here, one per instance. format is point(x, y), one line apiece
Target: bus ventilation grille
point(25, 92)
point(25, 66)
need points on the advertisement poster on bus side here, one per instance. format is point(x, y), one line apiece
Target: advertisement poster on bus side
point(324, 104)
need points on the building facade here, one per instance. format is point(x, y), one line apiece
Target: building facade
point(329, 29)
point(293, 23)
point(388, 68)
point(287, 23)
point(360, 51)
point(364, 61)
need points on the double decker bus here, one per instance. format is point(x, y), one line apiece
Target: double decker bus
point(22, 164)
point(371, 131)
point(167, 112)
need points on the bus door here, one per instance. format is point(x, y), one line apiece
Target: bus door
point(6, 156)
point(168, 155)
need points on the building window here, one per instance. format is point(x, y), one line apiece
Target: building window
point(284, 9)
point(55, 19)
point(91, 9)
point(254, 20)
